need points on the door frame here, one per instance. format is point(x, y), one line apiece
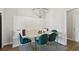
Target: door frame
point(75, 29)
point(1, 30)
point(73, 24)
point(74, 38)
point(69, 35)
point(1, 11)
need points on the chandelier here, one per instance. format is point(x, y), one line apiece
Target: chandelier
point(40, 12)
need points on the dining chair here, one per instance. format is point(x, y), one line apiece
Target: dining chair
point(24, 40)
point(52, 38)
point(41, 41)
point(54, 31)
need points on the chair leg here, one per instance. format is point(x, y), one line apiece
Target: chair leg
point(38, 47)
point(47, 43)
point(56, 45)
point(29, 44)
point(50, 43)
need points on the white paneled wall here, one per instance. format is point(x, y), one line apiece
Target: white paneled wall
point(30, 24)
point(8, 25)
point(21, 22)
point(55, 19)
point(72, 16)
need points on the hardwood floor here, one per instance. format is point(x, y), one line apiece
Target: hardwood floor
point(54, 47)
point(9, 48)
point(72, 45)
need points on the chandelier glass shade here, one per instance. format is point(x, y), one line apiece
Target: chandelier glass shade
point(40, 12)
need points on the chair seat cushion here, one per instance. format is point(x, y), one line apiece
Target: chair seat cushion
point(26, 40)
point(42, 39)
point(52, 37)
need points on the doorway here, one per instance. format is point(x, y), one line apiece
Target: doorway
point(72, 29)
point(0, 30)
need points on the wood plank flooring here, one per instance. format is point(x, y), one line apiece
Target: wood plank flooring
point(54, 47)
point(72, 45)
point(9, 48)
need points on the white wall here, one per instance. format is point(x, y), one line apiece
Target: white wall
point(23, 22)
point(8, 25)
point(56, 19)
point(70, 23)
point(69, 26)
point(30, 24)
point(8, 14)
point(5, 27)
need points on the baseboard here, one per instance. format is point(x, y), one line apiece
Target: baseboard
point(74, 40)
point(15, 45)
point(7, 43)
point(61, 43)
point(71, 40)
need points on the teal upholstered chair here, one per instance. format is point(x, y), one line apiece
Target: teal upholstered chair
point(25, 43)
point(41, 41)
point(24, 40)
point(55, 31)
point(52, 38)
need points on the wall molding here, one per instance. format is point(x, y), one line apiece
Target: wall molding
point(15, 45)
point(7, 43)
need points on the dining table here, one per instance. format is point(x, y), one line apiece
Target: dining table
point(33, 36)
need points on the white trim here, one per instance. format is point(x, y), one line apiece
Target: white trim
point(15, 45)
point(7, 44)
point(76, 40)
point(1, 11)
point(60, 43)
point(71, 9)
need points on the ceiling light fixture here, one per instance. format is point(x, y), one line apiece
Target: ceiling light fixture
point(40, 12)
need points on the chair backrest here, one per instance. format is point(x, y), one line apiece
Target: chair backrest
point(21, 39)
point(55, 31)
point(52, 37)
point(43, 39)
